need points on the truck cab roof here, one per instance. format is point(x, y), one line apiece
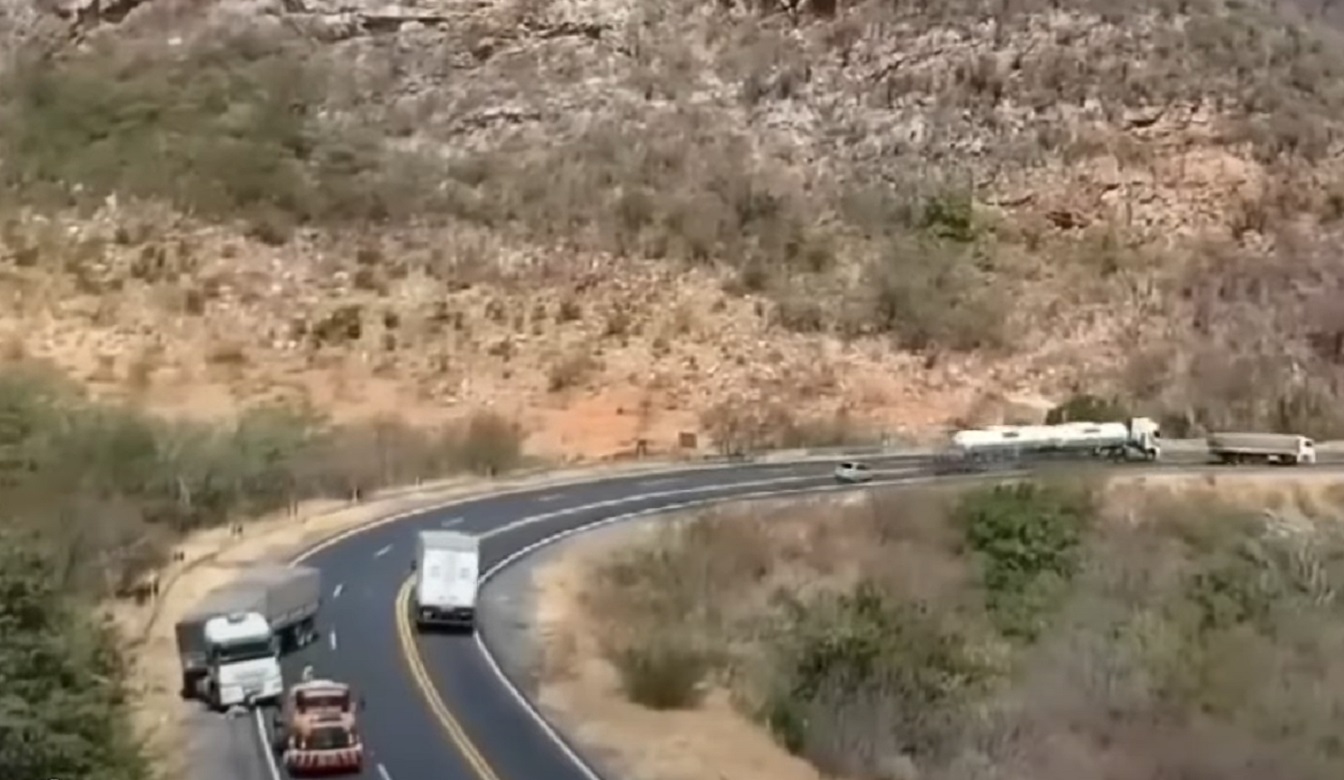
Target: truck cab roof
point(235, 627)
point(450, 540)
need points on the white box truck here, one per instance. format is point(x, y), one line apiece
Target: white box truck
point(447, 565)
point(1285, 449)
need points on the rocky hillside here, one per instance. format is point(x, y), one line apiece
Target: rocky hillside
point(611, 217)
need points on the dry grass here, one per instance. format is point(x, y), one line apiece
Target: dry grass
point(1174, 632)
point(1013, 192)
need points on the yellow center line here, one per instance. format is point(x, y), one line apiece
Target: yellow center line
point(411, 652)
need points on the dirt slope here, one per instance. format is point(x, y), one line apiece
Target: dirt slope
point(608, 217)
point(1078, 707)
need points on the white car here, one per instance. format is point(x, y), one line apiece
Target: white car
point(852, 471)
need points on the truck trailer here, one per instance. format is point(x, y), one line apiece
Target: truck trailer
point(447, 565)
point(1139, 437)
point(1285, 449)
point(230, 643)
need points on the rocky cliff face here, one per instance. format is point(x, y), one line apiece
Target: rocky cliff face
point(615, 216)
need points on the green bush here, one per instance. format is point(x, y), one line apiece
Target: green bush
point(62, 713)
point(90, 494)
point(1027, 538)
point(865, 648)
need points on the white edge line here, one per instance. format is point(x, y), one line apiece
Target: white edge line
point(262, 737)
point(517, 555)
point(264, 740)
point(452, 521)
point(913, 459)
point(635, 498)
point(588, 481)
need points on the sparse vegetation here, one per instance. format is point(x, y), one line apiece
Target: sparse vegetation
point(91, 497)
point(939, 634)
point(738, 426)
point(1156, 183)
point(224, 128)
point(983, 182)
point(1087, 408)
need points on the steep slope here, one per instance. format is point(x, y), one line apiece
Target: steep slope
point(610, 217)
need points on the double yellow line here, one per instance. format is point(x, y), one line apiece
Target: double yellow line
point(420, 675)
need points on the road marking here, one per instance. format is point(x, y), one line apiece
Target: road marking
point(549, 497)
point(340, 586)
point(382, 770)
point(587, 480)
point(656, 482)
point(264, 741)
point(686, 472)
point(452, 521)
point(332, 636)
point(383, 551)
point(588, 772)
point(524, 489)
point(429, 692)
point(728, 487)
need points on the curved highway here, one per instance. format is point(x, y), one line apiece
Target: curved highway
point(436, 706)
point(439, 711)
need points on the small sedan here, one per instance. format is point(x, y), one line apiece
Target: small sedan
point(852, 472)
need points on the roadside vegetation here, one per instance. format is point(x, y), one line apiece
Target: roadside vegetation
point(93, 495)
point(1033, 630)
point(925, 205)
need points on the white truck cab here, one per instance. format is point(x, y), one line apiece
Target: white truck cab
point(242, 660)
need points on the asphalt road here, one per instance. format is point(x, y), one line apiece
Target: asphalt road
point(362, 575)
point(441, 712)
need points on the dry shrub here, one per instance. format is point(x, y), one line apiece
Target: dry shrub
point(92, 496)
point(113, 485)
point(572, 370)
point(663, 609)
point(739, 425)
point(137, 118)
point(664, 671)
point(1262, 344)
point(1188, 639)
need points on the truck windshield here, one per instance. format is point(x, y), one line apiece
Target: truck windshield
point(243, 651)
point(329, 738)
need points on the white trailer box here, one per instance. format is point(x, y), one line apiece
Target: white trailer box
point(447, 566)
point(1282, 448)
